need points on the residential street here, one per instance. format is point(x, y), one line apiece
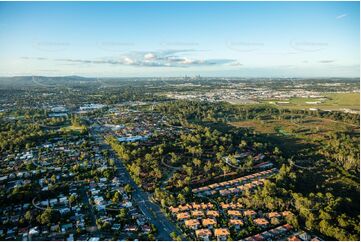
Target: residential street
point(141, 198)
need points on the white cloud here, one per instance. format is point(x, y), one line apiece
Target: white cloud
point(188, 61)
point(235, 63)
point(149, 56)
point(128, 61)
point(326, 61)
point(341, 16)
point(162, 58)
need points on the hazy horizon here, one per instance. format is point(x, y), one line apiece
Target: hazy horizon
point(184, 76)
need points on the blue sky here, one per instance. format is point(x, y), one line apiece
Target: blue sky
point(247, 39)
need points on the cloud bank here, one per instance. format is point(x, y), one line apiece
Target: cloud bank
point(163, 58)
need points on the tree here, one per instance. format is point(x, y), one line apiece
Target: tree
point(123, 214)
point(174, 158)
point(275, 221)
point(173, 235)
point(53, 178)
point(188, 170)
point(157, 173)
point(28, 216)
point(233, 160)
point(324, 215)
point(111, 162)
point(242, 144)
point(75, 120)
point(181, 198)
point(197, 162)
point(343, 220)
point(128, 188)
point(151, 237)
point(45, 217)
point(276, 151)
point(225, 169)
point(72, 198)
point(116, 197)
point(292, 219)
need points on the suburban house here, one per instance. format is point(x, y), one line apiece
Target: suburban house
point(236, 223)
point(203, 234)
point(221, 233)
point(192, 223)
point(209, 222)
point(261, 222)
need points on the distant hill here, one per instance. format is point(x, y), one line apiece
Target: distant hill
point(26, 81)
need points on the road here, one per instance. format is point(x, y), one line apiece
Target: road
point(93, 227)
point(142, 198)
point(148, 208)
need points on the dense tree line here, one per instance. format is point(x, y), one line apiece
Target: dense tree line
point(342, 149)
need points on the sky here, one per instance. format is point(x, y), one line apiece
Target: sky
point(143, 39)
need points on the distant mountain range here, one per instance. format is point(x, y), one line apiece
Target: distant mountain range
point(43, 80)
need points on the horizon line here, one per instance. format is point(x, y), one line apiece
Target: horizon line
point(185, 76)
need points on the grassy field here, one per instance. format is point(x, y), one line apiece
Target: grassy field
point(266, 127)
point(331, 101)
point(307, 126)
point(295, 135)
point(73, 128)
point(344, 99)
